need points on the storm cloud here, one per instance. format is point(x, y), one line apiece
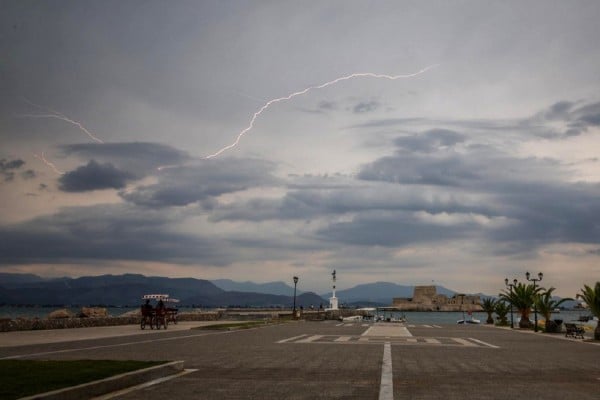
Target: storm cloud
point(94, 176)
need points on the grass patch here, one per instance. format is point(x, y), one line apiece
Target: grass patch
point(233, 326)
point(20, 378)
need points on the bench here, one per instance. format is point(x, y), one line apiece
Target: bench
point(574, 330)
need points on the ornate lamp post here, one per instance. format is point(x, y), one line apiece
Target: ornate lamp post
point(295, 283)
point(534, 280)
point(510, 287)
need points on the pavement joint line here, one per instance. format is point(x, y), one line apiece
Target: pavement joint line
point(108, 346)
point(386, 388)
point(292, 338)
point(484, 343)
point(144, 385)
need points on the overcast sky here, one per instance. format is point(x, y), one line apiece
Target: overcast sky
point(479, 168)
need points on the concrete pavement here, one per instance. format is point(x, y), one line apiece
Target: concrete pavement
point(323, 360)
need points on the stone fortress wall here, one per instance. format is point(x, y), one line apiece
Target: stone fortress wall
point(425, 298)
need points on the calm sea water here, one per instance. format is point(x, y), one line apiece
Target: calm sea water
point(412, 317)
point(42, 312)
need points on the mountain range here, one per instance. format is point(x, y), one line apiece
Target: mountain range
point(128, 289)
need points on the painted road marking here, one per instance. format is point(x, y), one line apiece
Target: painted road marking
point(484, 343)
point(428, 326)
point(144, 385)
point(292, 338)
point(386, 388)
point(343, 339)
point(464, 342)
point(310, 339)
point(393, 340)
point(387, 330)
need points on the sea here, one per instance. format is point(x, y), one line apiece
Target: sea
point(412, 317)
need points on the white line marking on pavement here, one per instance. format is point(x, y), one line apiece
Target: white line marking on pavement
point(428, 326)
point(144, 385)
point(110, 345)
point(436, 326)
point(366, 333)
point(310, 339)
point(386, 389)
point(464, 342)
point(432, 341)
point(343, 339)
point(484, 343)
point(411, 326)
point(340, 324)
point(292, 338)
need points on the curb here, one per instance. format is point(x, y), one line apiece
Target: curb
point(112, 384)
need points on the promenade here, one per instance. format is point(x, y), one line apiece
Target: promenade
point(335, 360)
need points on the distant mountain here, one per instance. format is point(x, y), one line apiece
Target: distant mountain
point(128, 289)
point(279, 288)
point(8, 279)
point(125, 289)
point(249, 299)
point(379, 293)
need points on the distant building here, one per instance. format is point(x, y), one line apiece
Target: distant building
point(425, 298)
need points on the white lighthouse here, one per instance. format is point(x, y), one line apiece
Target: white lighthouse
point(333, 301)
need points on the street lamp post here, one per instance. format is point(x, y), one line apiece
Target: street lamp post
point(510, 287)
point(295, 283)
point(534, 280)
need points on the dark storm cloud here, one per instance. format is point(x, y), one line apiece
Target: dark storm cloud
point(140, 158)
point(202, 182)
point(8, 167)
point(94, 176)
point(365, 107)
point(434, 192)
point(107, 232)
point(390, 229)
point(430, 140)
point(29, 174)
point(576, 118)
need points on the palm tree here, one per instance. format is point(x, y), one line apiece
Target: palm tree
point(592, 297)
point(522, 298)
point(545, 304)
point(501, 310)
point(489, 306)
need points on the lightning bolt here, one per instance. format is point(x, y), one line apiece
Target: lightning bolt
point(308, 89)
point(57, 115)
point(43, 159)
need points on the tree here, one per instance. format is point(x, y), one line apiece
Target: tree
point(545, 304)
point(522, 298)
point(501, 310)
point(489, 306)
point(592, 297)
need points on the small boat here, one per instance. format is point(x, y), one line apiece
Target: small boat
point(471, 320)
point(468, 321)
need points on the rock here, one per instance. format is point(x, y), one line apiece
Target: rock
point(58, 314)
point(93, 312)
point(132, 313)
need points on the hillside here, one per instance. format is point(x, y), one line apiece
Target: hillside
point(128, 289)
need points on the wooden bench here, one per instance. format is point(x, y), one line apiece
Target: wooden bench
point(574, 330)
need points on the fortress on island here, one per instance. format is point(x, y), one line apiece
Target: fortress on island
point(425, 298)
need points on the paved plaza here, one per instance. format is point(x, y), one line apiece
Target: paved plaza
point(334, 360)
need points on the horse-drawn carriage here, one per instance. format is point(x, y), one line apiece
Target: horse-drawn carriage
point(160, 314)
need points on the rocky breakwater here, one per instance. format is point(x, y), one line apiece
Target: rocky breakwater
point(90, 317)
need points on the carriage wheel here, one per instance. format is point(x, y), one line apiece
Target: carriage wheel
point(143, 323)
